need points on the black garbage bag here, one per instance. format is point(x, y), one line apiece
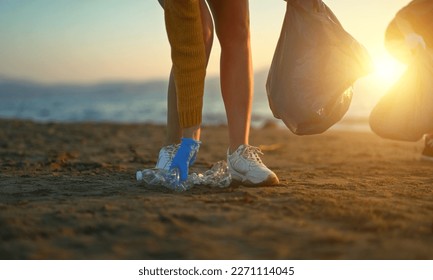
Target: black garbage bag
point(315, 64)
point(405, 112)
point(419, 14)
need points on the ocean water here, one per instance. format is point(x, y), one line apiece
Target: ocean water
point(145, 102)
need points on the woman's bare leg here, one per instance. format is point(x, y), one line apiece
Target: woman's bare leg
point(233, 31)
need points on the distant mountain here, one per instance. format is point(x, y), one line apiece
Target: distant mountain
point(23, 87)
point(140, 101)
point(15, 87)
point(124, 101)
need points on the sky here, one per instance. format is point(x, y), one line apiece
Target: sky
point(86, 41)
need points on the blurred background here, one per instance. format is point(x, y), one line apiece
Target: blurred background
point(109, 60)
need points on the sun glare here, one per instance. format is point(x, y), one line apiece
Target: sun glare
point(388, 70)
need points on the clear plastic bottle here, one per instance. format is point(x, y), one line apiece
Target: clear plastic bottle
point(217, 176)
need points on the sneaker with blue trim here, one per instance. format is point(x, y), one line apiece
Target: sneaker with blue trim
point(167, 153)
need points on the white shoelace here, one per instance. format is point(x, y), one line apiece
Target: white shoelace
point(171, 151)
point(252, 153)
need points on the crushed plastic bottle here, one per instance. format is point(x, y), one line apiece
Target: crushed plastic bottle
point(161, 177)
point(217, 176)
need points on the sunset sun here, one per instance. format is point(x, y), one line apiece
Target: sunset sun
point(387, 69)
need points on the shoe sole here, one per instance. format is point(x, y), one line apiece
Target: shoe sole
point(270, 181)
point(239, 179)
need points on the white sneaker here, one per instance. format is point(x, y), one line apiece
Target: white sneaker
point(246, 167)
point(166, 155)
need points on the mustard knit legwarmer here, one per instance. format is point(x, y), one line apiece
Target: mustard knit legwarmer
point(184, 30)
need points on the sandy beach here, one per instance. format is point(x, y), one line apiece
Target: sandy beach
point(68, 191)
